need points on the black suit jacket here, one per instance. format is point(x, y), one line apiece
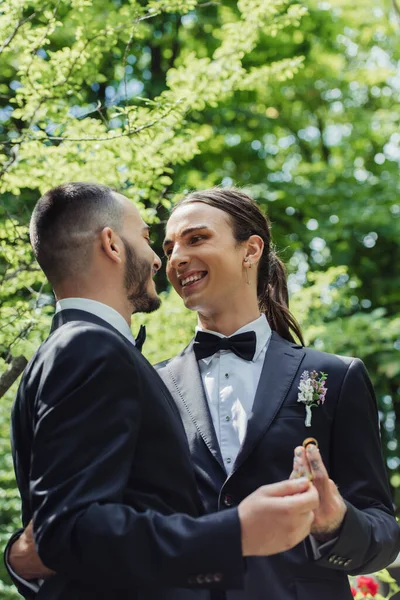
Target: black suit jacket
point(103, 467)
point(346, 427)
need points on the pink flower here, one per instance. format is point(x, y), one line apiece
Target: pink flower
point(353, 591)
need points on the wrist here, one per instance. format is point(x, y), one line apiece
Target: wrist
point(331, 529)
point(323, 537)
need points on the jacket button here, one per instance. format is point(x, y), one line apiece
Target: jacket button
point(227, 500)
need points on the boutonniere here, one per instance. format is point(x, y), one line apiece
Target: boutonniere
point(312, 392)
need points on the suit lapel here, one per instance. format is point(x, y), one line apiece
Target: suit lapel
point(185, 374)
point(281, 364)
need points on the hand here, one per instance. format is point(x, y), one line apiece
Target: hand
point(332, 508)
point(24, 559)
point(277, 517)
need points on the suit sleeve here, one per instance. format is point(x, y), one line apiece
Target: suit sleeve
point(369, 538)
point(84, 444)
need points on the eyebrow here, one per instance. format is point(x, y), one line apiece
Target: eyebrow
point(186, 231)
point(146, 228)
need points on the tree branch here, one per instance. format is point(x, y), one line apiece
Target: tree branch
point(17, 365)
point(10, 161)
point(127, 48)
point(21, 269)
point(20, 24)
point(58, 138)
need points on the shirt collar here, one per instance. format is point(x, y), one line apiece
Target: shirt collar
point(261, 328)
point(105, 312)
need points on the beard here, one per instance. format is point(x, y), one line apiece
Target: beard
point(137, 276)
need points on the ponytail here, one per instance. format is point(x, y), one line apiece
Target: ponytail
point(273, 299)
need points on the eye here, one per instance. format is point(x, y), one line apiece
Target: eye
point(197, 238)
point(168, 252)
point(149, 241)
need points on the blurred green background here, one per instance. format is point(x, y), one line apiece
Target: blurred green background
point(298, 103)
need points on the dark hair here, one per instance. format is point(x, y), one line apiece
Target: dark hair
point(64, 223)
point(247, 219)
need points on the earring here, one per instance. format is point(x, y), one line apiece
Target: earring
point(246, 260)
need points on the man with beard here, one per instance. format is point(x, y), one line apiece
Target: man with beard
point(100, 453)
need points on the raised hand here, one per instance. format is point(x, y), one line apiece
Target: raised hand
point(277, 517)
point(332, 508)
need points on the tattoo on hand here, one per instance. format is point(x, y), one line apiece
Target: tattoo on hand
point(315, 465)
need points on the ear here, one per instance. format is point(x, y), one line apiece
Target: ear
point(111, 244)
point(254, 247)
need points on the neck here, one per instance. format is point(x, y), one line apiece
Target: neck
point(227, 322)
point(107, 295)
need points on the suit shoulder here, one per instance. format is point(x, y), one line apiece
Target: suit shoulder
point(78, 331)
point(344, 367)
point(326, 357)
point(322, 360)
point(90, 341)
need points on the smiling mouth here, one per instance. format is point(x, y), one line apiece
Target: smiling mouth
point(193, 278)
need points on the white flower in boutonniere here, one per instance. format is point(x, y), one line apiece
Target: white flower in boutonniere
point(312, 392)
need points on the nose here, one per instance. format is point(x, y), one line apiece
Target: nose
point(156, 262)
point(177, 258)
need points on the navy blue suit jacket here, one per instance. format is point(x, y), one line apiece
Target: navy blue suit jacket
point(103, 467)
point(346, 427)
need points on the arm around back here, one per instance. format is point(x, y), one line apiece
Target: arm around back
point(88, 420)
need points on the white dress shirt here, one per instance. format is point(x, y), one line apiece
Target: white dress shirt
point(105, 312)
point(230, 385)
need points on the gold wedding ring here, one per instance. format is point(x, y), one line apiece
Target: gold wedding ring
point(308, 441)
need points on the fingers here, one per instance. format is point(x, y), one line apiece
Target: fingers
point(286, 488)
point(24, 559)
point(300, 465)
point(309, 460)
point(28, 533)
point(295, 471)
point(317, 467)
point(26, 537)
point(303, 503)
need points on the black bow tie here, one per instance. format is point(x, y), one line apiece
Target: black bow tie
point(140, 339)
point(242, 344)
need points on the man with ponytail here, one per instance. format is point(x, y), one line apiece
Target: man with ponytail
point(237, 389)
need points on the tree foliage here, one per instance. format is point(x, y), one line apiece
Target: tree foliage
point(298, 104)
